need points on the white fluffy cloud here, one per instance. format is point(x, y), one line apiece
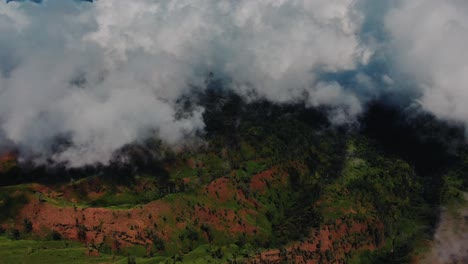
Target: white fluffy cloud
point(108, 73)
point(430, 40)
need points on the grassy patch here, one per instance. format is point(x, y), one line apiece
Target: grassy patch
point(28, 251)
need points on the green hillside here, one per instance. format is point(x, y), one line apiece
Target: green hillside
point(265, 183)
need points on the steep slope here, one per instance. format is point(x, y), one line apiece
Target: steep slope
point(271, 184)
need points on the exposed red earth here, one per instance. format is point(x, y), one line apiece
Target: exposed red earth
point(127, 227)
point(7, 161)
point(167, 218)
point(259, 181)
point(329, 244)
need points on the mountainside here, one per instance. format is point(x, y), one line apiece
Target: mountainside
point(265, 183)
point(207, 131)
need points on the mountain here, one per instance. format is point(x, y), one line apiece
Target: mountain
point(264, 183)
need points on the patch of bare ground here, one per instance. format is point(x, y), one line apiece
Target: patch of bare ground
point(328, 244)
point(259, 181)
point(137, 226)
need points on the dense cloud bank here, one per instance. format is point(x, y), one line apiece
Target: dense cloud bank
point(429, 39)
point(101, 75)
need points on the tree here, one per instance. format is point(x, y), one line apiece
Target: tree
point(82, 232)
point(131, 259)
point(158, 242)
point(56, 235)
point(28, 226)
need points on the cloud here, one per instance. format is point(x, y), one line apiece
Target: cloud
point(105, 74)
point(450, 238)
point(429, 40)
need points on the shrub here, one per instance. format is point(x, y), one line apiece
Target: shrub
point(82, 232)
point(15, 234)
point(131, 260)
point(158, 242)
point(56, 235)
point(28, 226)
point(218, 253)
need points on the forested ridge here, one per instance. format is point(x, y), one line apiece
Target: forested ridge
point(260, 177)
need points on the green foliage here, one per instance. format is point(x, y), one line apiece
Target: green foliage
point(158, 242)
point(451, 189)
point(28, 251)
point(131, 260)
point(55, 235)
point(387, 188)
point(320, 174)
point(10, 203)
point(218, 253)
point(125, 198)
point(28, 226)
point(81, 232)
point(296, 225)
point(14, 234)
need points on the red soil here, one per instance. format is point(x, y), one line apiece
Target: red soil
point(221, 190)
point(7, 162)
point(135, 226)
point(126, 226)
point(186, 180)
point(340, 238)
point(167, 219)
point(259, 181)
point(192, 163)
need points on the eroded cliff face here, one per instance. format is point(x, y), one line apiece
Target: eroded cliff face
point(163, 225)
point(333, 243)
